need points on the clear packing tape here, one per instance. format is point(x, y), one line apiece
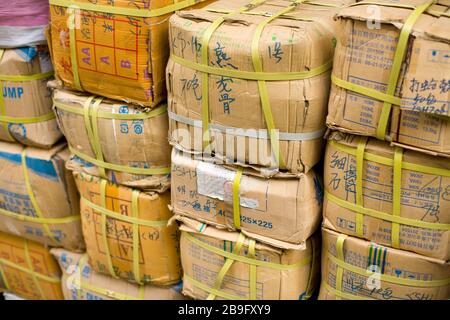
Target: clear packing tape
point(36, 276)
point(21, 78)
point(40, 217)
point(388, 97)
point(398, 165)
point(134, 220)
point(342, 265)
point(258, 74)
point(91, 114)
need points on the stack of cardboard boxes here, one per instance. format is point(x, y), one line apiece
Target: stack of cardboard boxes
point(38, 198)
point(386, 224)
point(248, 83)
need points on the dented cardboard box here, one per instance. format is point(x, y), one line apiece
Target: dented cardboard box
point(28, 270)
point(80, 282)
point(294, 52)
point(38, 196)
point(111, 215)
point(414, 73)
point(114, 49)
point(355, 269)
point(219, 264)
point(26, 114)
point(389, 195)
point(286, 210)
point(133, 140)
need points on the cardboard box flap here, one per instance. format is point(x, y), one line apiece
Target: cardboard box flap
point(194, 226)
point(397, 16)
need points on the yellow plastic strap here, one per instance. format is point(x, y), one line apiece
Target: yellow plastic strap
point(31, 268)
point(227, 265)
point(251, 75)
point(390, 162)
point(141, 293)
point(25, 270)
point(359, 184)
point(118, 216)
point(397, 196)
point(340, 255)
point(104, 231)
point(396, 66)
point(132, 12)
point(263, 92)
point(386, 216)
point(26, 120)
point(109, 115)
point(24, 78)
point(73, 47)
point(388, 278)
point(230, 255)
point(33, 200)
point(236, 200)
point(309, 288)
point(117, 116)
point(204, 61)
point(372, 93)
point(210, 290)
point(97, 290)
point(252, 276)
point(3, 276)
point(136, 236)
point(91, 123)
point(22, 217)
point(120, 168)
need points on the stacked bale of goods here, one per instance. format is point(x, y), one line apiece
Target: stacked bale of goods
point(394, 197)
point(80, 282)
point(28, 270)
point(121, 157)
point(38, 197)
point(248, 83)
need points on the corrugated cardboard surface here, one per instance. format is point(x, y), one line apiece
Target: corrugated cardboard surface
point(392, 262)
point(21, 283)
point(424, 196)
point(119, 57)
point(281, 209)
point(203, 266)
point(73, 273)
point(286, 45)
point(27, 99)
point(159, 246)
point(53, 187)
point(133, 143)
point(364, 56)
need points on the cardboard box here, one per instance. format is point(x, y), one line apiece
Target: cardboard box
point(277, 273)
point(110, 244)
point(371, 271)
point(300, 41)
point(120, 54)
point(364, 56)
point(24, 73)
point(22, 24)
point(28, 270)
point(46, 208)
point(423, 193)
point(286, 210)
point(80, 282)
point(134, 143)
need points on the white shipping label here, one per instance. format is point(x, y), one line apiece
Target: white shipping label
point(217, 182)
